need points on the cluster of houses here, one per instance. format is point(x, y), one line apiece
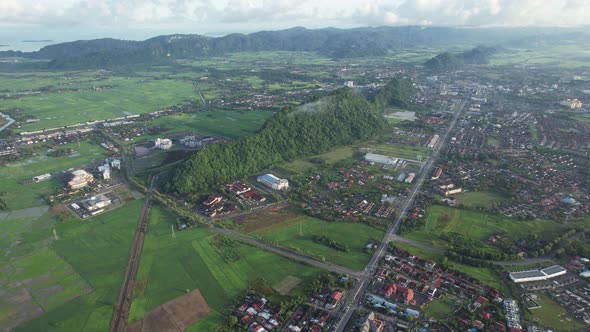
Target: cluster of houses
point(216, 206)
point(308, 318)
point(404, 279)
point(575, 299)
point(245, 194)
point(257, 314)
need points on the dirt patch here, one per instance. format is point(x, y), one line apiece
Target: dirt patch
point(287, 284)
point(175, 315)
point(268, 220)
point(22, 307)
point(141, 151)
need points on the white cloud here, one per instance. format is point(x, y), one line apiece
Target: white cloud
point(284, 13)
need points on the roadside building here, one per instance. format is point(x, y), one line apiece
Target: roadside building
point(410, 178)
point(538, 275)
point(273, 182)
point(433, 141)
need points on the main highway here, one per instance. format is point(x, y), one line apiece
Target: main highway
point(363, 281)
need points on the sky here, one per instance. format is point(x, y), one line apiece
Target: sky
point(66, 20)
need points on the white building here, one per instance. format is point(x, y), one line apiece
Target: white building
point(571, 103)
point(538, 275)
point(273, 182)
point(163, 143)
point(349, 84)
point(381, 159)
point(41, 177)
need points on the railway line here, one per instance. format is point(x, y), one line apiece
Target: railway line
point(121, 314)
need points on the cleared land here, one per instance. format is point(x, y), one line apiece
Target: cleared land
point(169, 266)
point(295, 231)
point(175, 315)
point(552, 315)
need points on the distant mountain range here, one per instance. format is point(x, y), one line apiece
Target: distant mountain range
point(331, 42)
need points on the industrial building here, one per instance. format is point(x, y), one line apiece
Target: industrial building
point(163, 144)
point(381, 159)
point(538, 275)
point(273, 182)
point(80, 179)
point(95, 203)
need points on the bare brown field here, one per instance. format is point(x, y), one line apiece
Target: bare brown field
point(268, 220)
point(173, 316)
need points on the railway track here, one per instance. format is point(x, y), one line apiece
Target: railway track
point(121, 314)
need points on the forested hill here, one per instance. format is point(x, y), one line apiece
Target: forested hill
point(341, 118)
point(335, 43)
point(448, 61)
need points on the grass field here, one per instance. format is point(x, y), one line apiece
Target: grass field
point(331, 157)
point(554, 316)
point(19, 196)
point(232, 124)
point(169, 266)
point(476, 199)
point(562, 56)
point(402, 151)
point(476, 225)
point(438, 309)
point(355, 235)
point(128, 96)
point(98, 251)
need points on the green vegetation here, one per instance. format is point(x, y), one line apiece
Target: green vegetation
point(438, 309)
point(396, 92)
point(232, 124)
point(554, 316)
point(299, 236)
point(448, 61)
point(314, 128)
point(402, 150)
point(478, 199)
point(484, 275)
point(169, 266)
point(19, 196)
point(127, 96)
point(97, 250)
point(330, 158)
point(328, 241)
point(442, 220)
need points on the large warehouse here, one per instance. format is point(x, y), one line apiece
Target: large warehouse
point(537, 275)
point(381, 159)
point(273, 182)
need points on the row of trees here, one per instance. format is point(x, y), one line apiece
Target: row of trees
point(339, 119)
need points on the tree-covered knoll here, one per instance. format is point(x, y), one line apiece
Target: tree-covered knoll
point(396, 92)
point(448, 61)
point(339, 119)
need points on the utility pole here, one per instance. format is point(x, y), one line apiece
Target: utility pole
point(173, 234)
point(55, 235)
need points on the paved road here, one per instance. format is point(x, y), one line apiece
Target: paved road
point(288, 253)
point(352, 301)
point(119, 322)
point(8, 119)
